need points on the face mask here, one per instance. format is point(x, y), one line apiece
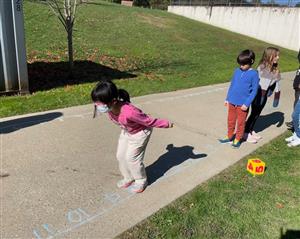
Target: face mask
point(103, 108)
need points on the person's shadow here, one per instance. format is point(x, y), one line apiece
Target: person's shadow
point(266, 121)
point(20, 123)
point(174, 156)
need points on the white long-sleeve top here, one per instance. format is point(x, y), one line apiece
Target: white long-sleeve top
point(268, 78)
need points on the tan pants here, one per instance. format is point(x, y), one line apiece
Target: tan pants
point(130, 154)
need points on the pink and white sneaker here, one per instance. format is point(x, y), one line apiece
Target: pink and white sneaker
point(249, 138)
point(255, 135)
point(138, 187)
point(124, 183)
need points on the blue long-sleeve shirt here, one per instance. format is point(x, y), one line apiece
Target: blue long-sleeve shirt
point(243, 87)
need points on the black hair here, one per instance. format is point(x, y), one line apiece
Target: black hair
point(246, 57)
point(107, 91)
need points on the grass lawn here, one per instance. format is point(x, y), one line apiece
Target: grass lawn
point(234, 204)
point(144, 50)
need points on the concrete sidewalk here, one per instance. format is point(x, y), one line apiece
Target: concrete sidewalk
point(63, 170)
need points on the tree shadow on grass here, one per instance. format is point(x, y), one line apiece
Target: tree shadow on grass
point(49, 75)
point(265, 121)
point(173, 157)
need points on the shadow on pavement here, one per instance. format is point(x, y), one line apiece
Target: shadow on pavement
point(174, 157)
point(265, 121)
point(16, 124)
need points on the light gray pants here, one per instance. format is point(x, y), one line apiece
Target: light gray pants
point(130, 154)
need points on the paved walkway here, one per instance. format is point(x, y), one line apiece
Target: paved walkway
point(62, 167)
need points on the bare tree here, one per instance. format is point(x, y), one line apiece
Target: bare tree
point(65, 10)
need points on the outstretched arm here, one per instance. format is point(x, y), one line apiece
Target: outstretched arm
point(141, 118)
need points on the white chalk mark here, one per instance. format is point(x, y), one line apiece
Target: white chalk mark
point(36, 234)
point(171, 98)
point(112, 197)
point(90, 218)
point(76, 216)
point(49, 229)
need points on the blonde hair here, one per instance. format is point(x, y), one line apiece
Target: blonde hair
point(267, 58)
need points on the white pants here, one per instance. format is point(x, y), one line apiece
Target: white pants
point(130, 154)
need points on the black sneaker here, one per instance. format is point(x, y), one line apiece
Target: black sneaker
point(291, 129)
point(289, 124)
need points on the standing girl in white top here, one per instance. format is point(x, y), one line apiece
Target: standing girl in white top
point(269, 75)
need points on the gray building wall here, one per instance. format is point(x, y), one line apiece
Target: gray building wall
point(276, 25)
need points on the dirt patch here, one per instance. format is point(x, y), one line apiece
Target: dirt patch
point(295, 170)
point(155, 21)
point(181, 38)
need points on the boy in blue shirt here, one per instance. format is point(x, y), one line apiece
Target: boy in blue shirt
point(241, 93)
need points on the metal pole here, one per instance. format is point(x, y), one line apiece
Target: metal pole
point(13, 72)
point(2, 82)
point(18, 21)
point(8, 47)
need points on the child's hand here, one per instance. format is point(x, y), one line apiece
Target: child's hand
point(244, 108)
point(225, 103)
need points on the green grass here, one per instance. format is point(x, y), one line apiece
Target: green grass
point(163, 51)
point(234, 204)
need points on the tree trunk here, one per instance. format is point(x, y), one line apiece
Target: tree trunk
point(70, 47)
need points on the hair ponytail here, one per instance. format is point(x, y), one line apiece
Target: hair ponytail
point(123, 95)
point(107, 91)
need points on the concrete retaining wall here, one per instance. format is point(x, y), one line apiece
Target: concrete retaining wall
point(278, 26)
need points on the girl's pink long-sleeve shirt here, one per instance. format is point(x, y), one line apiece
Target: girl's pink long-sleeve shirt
point(134, 120)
